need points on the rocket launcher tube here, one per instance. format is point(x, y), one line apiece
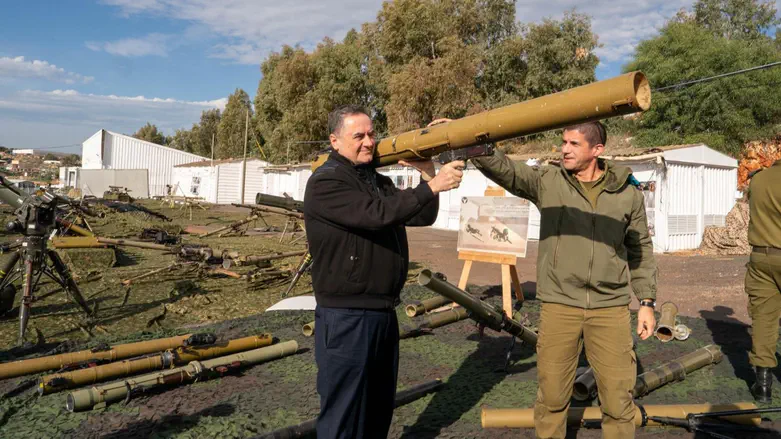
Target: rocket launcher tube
point(478, 310)
point(419, 307)
point(285, 203)
point(96, 397)
point(578, 416)
point(181, 355)
point(624, 94)
point(118, 352)
point(443, 318)
point(675, 370)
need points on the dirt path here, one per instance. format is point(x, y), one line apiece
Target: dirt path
point(700, 285)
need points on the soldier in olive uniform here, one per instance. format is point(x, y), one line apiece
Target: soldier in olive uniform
point(763, 278)
point(595, 253)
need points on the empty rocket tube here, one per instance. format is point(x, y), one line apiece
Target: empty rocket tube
point(308, 329)
point(665, 330)
point(419, 307)
point(578, 416)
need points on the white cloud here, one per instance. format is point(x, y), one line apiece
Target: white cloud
point(154, 44)
point(251, 29)
point(86, 113)
point(19, 67)
point(254, 28)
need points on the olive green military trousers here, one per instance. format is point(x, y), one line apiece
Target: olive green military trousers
point(763, 286)
point(563, 331)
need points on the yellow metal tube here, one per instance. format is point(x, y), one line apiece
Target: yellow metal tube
point(419, 307)
point(181, 355)
point(309, 329)
point(665, 330)
point(624, 94)
point(118, 352)
point(96, 397)
point(576, 416)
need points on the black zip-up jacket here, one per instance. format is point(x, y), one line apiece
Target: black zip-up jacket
point(355, 220)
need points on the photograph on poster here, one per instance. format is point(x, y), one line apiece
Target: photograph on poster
point(494, 225)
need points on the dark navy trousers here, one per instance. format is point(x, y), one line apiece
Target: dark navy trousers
point(357, 354)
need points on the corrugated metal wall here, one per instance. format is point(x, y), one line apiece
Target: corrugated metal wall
point(228, 185)
point(253, 183)
point(684, 194)
point(718, 182)
point(123, 152)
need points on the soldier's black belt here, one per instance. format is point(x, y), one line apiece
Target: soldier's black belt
point(766, 250)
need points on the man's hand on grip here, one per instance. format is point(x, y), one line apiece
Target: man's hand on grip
point(449, 177)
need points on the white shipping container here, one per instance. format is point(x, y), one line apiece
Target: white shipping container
point(109, 150)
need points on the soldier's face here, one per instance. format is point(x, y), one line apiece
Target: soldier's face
point(576, 153)
point(355, 140)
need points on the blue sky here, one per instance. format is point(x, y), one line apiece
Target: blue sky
point(69, 68)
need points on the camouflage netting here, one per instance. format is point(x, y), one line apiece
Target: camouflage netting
point(82, 261)
point(757, 154)
point(732, 239)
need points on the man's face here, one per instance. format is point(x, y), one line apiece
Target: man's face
point(576, 153)
point(355, 140)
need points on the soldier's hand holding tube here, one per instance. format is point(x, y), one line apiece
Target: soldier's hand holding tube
point(646, 322)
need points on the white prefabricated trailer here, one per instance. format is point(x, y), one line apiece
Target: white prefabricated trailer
point(109, 150)
point(219, 181)
point(286, 180)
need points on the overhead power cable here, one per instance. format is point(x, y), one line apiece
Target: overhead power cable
point(712, 78)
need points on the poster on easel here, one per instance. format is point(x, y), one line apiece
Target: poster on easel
point(494, 225)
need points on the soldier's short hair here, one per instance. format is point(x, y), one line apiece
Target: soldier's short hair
point(336, 117)
point(594, 132)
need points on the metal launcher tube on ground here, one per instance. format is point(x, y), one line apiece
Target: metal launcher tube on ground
point(100, 396)
point(174, 357)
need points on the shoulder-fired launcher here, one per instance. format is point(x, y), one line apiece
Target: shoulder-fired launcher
point(624, 94)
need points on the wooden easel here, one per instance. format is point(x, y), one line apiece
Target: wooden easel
point(509, 272)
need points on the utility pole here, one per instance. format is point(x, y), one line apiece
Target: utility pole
point(244, 163)
point(212, 149)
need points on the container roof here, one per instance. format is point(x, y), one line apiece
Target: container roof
point(206, 163)
point(623, 152)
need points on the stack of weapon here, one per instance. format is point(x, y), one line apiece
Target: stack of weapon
point(174, 360)
point(693, 417)
point(292, 210)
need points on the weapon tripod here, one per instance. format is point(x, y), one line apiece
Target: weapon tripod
point(30, 259)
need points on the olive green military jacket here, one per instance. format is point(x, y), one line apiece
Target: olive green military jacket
point(588, 257)
point(764, 200)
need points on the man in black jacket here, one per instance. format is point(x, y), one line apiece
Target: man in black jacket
point(355, 220)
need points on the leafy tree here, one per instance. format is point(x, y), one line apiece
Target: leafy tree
point(71, 160)
point(150, 133)
point(734, 19)
point(202, 132)
point(182, 140)
point(723, 113)
point(420, 59)
point(230, 131)
point(50, 156)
